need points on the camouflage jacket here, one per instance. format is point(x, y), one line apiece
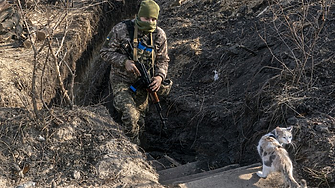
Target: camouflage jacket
point(112, 53)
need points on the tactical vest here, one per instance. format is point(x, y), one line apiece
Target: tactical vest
point(143, 48)
point(146, 53)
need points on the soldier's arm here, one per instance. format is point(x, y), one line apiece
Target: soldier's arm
point(162, 57)
point(111, 52)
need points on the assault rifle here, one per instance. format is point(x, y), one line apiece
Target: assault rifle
point(143, 82)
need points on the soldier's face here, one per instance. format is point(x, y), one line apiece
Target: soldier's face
point(147, 19)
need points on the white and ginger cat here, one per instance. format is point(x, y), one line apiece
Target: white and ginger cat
point(275, 158)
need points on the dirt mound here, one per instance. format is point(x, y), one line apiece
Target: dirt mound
point(82, 147)
point(60, 147)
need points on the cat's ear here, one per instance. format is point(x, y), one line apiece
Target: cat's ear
point(289, 128)
point(277, 129)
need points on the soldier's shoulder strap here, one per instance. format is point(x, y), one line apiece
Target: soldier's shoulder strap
point(130, 29)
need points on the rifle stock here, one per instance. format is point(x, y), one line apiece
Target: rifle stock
point(154, 97)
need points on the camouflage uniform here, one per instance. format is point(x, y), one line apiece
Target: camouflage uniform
point(131, 106)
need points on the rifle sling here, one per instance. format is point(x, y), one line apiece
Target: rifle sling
point(135, 45)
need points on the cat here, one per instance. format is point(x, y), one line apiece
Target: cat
point(282, 135)
point(275, 158)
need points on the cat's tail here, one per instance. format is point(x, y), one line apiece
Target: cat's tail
point(288, 175)
point(303, 183)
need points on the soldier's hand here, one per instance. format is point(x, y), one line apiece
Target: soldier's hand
point(131, 68)
point(156, 83)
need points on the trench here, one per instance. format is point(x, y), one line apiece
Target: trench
point(93, 84)
point(182, 143)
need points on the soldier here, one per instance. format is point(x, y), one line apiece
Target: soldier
point(146, 42)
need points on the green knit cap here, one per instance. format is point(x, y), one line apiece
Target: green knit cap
point(148, 8)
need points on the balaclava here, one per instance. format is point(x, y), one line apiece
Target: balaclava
point(149, 9)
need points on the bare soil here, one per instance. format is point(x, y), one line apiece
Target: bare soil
point(239, 70)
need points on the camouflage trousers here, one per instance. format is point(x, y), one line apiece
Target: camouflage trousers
point(132, 108)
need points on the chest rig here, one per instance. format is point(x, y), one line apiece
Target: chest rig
point(143, 47)
point(144, 52)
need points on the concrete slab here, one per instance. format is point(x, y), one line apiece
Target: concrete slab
point(179, 178)
point(243, 177)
